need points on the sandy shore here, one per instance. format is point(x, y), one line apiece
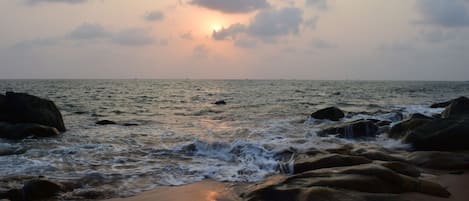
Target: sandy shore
point(201, 191)
point(217, 191)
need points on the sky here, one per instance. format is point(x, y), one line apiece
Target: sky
point(235, 39)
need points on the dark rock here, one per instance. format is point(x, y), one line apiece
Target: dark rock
point(24, 130)
point(331, 113)
point(220, 102)
point(458, 107)
point(327, 161)
point(403, 128)
point(446, 103)
point(105, 122)
point(38, 189)
point(375, 155)
point(440, 135)
point(354, 129)
point(439, 160)
point(383, 123)
point(25, 108)
point(130, 124)
point(367, 178)
point(402, 168)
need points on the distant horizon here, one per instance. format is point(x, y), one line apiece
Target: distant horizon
point(226, 79)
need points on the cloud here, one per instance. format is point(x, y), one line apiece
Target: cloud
point(34, 2)
point(229, 32)
point(323, 44)
point(272, 23)
point(312, 22)
point(445, 13)
point(88, 32)
point(201, 51)
point(232, 6)
point(36, 43)
point(126, 37)
point(266, 25)
point(154, 16)
point(321, 4)
point(245, 43)
point(133, 37)
point(187, 36)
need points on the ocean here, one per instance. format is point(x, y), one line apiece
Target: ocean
point(168, 132)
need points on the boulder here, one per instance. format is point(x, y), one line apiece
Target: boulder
point(367, 178)
point(439, 160)
point(458, 107)
point(330, 113)
point(105, 122)
point(24, 130)
point(402, 168)
point(327, 161)
point(440, 135)
point(25, 108)
point(354, 129)
point(38, 189)
point(403, 128)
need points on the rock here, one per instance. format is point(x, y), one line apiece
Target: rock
point(25, 108)
point(440, 135)
point(402, 168)
point(38, 189)
point(458, 107)
point(24, 130)
point(105, 122)
point(130, 124)
point(403, 128)
point(375, 155)
point(439, 160)
point(367, 178)
point(273, 193)
point(446, 103)
point(220, 102)
point(354, 129)
point(327, 161)
point(330, 113)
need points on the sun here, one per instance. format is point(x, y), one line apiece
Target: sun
point(216, 27)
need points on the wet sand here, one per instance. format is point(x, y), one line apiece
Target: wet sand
point(201, 191)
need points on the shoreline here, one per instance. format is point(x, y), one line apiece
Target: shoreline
point(210, 190)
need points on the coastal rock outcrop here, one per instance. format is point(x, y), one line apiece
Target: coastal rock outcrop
point(367, 178)
point(23, 130)
point(354, 129)
point(330, 113)
point(441, 135)
point(105, 122)
point(37, 189)
point(25, 108)
point(403, 128)
point(457, 107)
point(439, 160)
point(327, 161)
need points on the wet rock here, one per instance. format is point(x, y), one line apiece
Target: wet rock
point(24, 130)
point(105, 122)
point(327, 161)
point(440, 135)
point(403, 128)
point(273, 193)
point(220, 102)
point(130, 124)
point(25, 108)
point(330, 113)
point(354, 129)
point(439, 160)
point(458, 107)
point(402, 168)
point(38, 189)
point(367, 178)
point(375, 155)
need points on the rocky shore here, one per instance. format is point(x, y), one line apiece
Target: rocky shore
point(353, 172)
